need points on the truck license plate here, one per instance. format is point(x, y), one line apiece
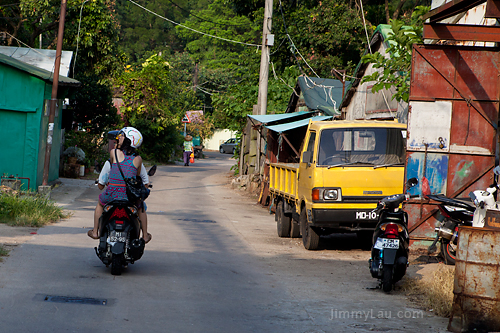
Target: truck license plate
point(386, 243)
point(366, 216)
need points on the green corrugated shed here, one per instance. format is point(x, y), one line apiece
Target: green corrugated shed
point(25, 93)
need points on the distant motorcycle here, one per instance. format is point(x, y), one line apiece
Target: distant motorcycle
point(389, 253)
point(460, 212)
point(119, 244)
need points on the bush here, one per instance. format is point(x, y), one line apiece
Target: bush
point(95, 146)
point(28, 210)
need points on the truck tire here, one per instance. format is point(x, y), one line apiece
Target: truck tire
point(310, 238)
point(295, 229)
point(282, 221)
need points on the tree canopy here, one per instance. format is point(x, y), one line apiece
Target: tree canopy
point(165, 57)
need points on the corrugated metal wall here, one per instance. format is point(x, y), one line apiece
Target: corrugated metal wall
point(452, 125)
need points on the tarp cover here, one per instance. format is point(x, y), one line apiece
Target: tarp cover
point(295, 124)
point(269, 118)
point(322, 94)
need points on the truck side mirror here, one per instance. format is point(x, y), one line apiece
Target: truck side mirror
point(306, 157)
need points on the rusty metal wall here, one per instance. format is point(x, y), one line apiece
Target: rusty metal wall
point(452, 126)
point(476, 303)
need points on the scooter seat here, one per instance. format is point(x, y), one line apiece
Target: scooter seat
point(456, 202)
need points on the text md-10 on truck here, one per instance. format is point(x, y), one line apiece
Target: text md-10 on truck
point(345, 168)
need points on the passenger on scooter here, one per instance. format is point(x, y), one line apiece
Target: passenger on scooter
point(129, 139)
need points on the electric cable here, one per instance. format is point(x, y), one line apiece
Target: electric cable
point(202, 19)
point(370, 49)
point(186, 27)
point(78, 37)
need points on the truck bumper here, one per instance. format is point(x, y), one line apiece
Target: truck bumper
point(345, 219)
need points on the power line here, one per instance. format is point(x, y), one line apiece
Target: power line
point(183, 26)
point(202, 19)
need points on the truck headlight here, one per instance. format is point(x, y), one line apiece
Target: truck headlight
point(331, 194)
point(326, 194)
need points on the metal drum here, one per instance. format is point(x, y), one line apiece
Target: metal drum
point(476, 302)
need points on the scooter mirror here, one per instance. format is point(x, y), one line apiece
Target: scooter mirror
point(412, 182)
point(112, 134)
point(152, 171)
point(496, 170)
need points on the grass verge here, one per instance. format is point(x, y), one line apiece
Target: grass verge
point(3, 253)
point(28, 210)
point(434, 294)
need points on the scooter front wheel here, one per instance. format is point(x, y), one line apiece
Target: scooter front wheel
point(448, 251)
point(387, 278)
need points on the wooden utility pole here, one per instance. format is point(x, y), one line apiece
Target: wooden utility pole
point(53, 100)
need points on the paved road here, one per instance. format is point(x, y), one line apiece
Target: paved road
point(215, 264)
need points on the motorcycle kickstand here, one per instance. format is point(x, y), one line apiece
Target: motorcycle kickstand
point(432, 248)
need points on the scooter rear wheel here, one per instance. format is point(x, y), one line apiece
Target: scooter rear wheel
point(449, 252)
point(387, 278)
point(116, 265)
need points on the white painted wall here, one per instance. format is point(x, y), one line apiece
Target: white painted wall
point(217, 138)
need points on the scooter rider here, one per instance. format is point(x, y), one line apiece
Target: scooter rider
point(129, 139)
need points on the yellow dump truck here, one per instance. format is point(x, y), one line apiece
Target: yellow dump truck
point(345, 168)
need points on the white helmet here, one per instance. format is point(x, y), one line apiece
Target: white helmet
point(133, 135)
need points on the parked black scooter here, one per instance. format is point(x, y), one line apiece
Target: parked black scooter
point(389, 254)
point(120, 228)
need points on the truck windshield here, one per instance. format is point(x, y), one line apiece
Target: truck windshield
point(358, 146)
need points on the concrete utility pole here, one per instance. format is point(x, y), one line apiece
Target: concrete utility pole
point(53, 100)
point(267, 41)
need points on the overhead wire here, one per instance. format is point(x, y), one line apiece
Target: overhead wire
point(328, 95)
point(186, 27)
point(21, 42)
point(78, 37)
point(202, 19)
point(370, 49)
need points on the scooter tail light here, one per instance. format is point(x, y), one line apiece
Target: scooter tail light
point(392, 230)
point(119, 213)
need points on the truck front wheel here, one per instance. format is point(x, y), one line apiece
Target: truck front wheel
point(310, 238)
point(282, 221)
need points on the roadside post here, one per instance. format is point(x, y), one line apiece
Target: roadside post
point(185, 120)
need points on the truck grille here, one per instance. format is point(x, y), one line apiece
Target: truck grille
point(364, 199)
